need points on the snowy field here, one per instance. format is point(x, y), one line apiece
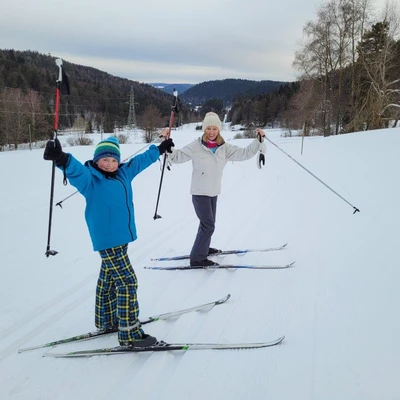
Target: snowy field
point(337, 307)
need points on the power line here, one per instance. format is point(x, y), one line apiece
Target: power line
point(77, 96)
point(114, 117)
point(46, 103)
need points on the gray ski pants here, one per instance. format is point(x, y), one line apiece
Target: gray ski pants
point(206, 210)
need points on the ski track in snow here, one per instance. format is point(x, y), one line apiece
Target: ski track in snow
point(192, 325)
point(187, 326)
point(334, 290)
point(41, 317)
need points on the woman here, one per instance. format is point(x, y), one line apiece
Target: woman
point(209, 155)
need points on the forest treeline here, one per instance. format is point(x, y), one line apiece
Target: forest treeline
point(349, 67)
point(228, 90)
point(98, 101)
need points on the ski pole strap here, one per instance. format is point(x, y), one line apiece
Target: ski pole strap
point(65, 182)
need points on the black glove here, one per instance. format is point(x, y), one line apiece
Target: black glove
point(53, 152)
point(166, 146)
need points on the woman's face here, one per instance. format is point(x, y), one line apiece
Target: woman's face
point(108, 164)
point(212, 132)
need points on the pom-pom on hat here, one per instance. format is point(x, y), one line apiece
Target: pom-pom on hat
point(107, 148)
point(212, 119)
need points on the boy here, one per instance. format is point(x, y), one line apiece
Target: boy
point(109, 214)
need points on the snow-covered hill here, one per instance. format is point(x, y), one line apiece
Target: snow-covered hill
point(337, 306)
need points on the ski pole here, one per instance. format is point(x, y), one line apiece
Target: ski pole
point(337, 194)
point(59, 83)
point(174, 109)
point(125, 160)
point(261, 157)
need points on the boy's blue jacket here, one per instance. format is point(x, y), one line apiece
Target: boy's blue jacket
point(109, 212)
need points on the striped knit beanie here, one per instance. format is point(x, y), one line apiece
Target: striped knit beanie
point(107, 148)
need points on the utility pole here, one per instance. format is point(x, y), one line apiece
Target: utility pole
point(132, 114)
point(30, 137)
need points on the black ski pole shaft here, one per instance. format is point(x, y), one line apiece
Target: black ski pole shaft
point(171, 123)
point(316, 177)
point(156, 216)
point(50, 252)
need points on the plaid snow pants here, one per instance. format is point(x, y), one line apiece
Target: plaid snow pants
point(116, 299)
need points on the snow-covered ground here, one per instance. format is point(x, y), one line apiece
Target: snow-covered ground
point(337, 307)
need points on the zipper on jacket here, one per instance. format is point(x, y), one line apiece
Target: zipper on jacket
point(127, 205)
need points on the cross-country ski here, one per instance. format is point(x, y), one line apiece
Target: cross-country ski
point(224, 253)
point(164, 316)
point(216, 267)
point(162, 346)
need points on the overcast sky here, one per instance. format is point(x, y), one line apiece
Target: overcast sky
point(180, 41)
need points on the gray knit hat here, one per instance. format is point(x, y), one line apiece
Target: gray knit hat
point(212, 119)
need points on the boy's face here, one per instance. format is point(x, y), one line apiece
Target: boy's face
point(108, 164)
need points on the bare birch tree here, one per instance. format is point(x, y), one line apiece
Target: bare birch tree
point(150, 122)
point(378, 54)
point(327, 55)
point(14, 112)
point(315, 61)
point(360, 11)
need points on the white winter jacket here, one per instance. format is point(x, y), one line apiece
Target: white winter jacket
point(208, 167)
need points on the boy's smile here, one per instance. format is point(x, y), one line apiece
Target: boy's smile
point(108, 164)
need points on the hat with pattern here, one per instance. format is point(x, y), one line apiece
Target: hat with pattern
point(107, 148)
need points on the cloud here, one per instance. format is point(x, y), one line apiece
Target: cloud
point(155, 40)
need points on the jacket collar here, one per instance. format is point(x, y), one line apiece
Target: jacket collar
point(98, 172)
point(204, 145)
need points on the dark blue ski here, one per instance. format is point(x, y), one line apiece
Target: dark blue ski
point(223, 253)
point(221, 266)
